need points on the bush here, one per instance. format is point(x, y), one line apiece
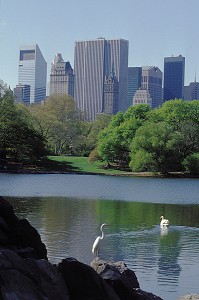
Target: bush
point(191, 163)
point(94, 156)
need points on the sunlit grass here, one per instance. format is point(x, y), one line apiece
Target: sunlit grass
point(81, 164)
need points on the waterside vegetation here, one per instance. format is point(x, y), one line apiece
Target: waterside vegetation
point(56, 137)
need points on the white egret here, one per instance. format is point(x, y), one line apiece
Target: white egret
point(95, 249)
point(164, 222)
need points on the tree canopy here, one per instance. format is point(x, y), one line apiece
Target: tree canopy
point(61, 124)
point(158, 140)
point(18, 137)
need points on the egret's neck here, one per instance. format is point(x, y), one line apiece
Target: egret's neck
point(102, 236)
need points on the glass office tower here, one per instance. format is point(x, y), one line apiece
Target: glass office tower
point(33, 72)
point(174, 70)
point(134, 83)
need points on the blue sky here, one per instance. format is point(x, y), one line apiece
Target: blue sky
point(154, 28)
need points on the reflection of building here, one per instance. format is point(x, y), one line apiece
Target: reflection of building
point(134, 83)
point(22, 94)
point(32, 72)
point(174, 69)
point(191, 92)
point(93, 61)
point(152, 81)
point(111, 94)
point(142, 97)
point(61, 77)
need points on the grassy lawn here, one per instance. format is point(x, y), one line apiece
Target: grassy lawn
point(82, 165)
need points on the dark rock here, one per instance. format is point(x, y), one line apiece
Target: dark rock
point(84, 283)
point(121, 279)
point(29, 279)
point(18, 235)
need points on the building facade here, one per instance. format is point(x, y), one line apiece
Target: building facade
point(142, 97)
point(152, 81)
point(33, 71)
point(93, 61)
point(22, 94)
point(61, 77)
point(174, 70)
point(191, 92)
point(111, 94)
point(134, 83)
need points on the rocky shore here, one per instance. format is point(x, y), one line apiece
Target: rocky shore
point(26, 273)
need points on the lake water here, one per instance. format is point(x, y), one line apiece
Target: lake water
point(68, 210)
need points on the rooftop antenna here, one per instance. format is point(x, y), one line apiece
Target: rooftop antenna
point(195, 76)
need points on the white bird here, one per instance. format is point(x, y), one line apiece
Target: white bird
point(95, 249)
point(164, 222)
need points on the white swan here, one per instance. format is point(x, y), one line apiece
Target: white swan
point(164, 222)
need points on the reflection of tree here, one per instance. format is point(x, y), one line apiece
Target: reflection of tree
point(169, 250)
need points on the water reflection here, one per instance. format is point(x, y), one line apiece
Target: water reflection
point(164, 231)
point(162, 261)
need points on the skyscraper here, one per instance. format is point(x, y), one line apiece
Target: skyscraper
point(61, 77)
point(152, 81)
point(33, 71)
point(93, 61)
point(134, 83)
point(111, 94)
point(174, 69)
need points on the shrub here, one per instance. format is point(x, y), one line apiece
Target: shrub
point(191, 163)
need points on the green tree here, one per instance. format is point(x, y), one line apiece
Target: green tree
point(101, 122)
point(61, 124)
point(17, 135)
point(114, 141)
point(170, 134)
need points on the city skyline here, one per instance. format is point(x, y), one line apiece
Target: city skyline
point(153, 29)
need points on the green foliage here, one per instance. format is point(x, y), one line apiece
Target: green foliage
point(61, 124)
point(191, 163)
point(18, 137)
point(102, 121)
point(114, 141)
point(170, 134)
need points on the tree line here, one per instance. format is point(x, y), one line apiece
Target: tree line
point(165, 139)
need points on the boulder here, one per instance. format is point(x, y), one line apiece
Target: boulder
point(18, 234)
point(83, 282)
point(29, 279)
point(121, 279)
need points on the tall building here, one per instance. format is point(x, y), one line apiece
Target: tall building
point(134, 83)
point(174, 70)
point(191, 92)
point(61, 77)
point(33, 72)
point(93, 61)
point(152, 81)
point(22, 94)
point(111, 94)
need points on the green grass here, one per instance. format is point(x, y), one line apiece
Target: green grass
point(81, 165)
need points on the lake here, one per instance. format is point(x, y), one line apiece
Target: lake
point(67, 210)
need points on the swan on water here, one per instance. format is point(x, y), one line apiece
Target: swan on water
point(164, 222)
